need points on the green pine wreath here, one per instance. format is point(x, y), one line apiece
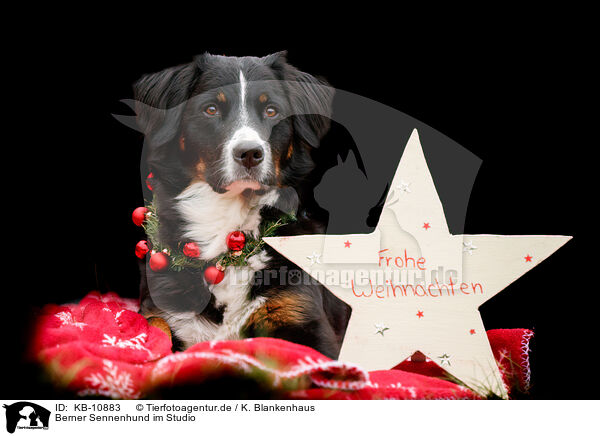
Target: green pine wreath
point(179, 261)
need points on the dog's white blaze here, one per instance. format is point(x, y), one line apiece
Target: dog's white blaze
point(244, 132)
point(243, 84)
point(247, 133)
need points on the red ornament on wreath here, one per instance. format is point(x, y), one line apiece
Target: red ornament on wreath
point(158, 261)
point(236, 241)
point(139, 215)
point(141, 249)
point(191, 249)
point(213, 275)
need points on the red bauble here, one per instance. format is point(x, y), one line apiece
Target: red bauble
point(139, 215)
point(141, 248)
point(191, 249)
point(236, 241)
point(213, 275)
point(149, 181)
point(158, 262)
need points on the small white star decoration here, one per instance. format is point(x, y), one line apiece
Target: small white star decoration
point(444, 359)
point(380, 328)
point(314, 258)
point(468, 247)
point(402, 269)
point(403, 187)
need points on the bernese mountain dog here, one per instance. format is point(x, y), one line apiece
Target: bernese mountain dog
point(231, 142)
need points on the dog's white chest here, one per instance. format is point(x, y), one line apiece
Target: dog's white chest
point(233, 295)
point(209, 218)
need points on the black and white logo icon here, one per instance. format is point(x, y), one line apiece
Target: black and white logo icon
point(26, 415)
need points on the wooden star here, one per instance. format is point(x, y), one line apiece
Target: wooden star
point(399, 270)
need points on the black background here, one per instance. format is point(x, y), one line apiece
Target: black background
point(507, 96)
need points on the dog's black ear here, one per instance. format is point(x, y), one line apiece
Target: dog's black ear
point(160, 100)
point(275, 60)
point(310, 97)
point(203, 60)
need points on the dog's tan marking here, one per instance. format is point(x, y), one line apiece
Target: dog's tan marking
point(182, 143)
point(277, 166)
point(277, 160)
point(281, 310)
point(262, 98)
point(290, 151)
point(221, 97)
point(161, 324)
point(200, 168)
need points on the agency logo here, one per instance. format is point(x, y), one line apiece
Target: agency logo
point(26, 415)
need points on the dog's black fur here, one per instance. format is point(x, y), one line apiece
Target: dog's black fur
point(189, 114)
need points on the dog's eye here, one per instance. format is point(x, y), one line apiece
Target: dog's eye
point(270, 111)
point(211, 109)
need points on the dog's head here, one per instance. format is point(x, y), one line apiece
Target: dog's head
point(239, 124)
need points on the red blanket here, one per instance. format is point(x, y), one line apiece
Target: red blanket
point(102, 346)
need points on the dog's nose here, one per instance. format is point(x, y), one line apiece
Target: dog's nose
point(248, 154)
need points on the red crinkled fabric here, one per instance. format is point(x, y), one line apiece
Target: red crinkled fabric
point(101, 346)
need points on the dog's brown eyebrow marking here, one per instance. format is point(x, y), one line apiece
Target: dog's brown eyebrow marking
point(290, 151)
point(263, 98)
point(221, 97)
